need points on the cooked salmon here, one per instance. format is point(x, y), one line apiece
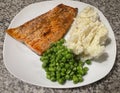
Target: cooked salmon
point(45, 29)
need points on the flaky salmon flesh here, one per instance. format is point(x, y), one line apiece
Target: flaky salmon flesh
point(45, 29)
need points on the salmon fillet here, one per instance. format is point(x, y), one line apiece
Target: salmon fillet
point(45, 29)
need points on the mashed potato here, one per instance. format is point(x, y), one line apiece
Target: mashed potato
point(87, 35)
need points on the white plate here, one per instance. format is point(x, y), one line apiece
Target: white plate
point(25, 64)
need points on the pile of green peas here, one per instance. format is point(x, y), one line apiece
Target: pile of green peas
point(60, 64)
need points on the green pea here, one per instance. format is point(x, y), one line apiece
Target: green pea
point(67, 66)
point(71, 62)
point(57, 64)
point(63, 74)
point(72, 73)
point(58, 76)
point(75, 64)
point(51, 69)
point(59, 57)
point(81, 72)
point(72, 66)
point(62, 41)
point(74, 69)
point(61, 81)
point(52, 45)
point(43, 58)
point(67, 77)
point(68, 72)
point(58, 68)
point(63, 70)
point(53, 79)
point(75, 79)
point(68, 56)
point(81, 63)
point(88, 62)
point(52, 73)
point(44, 65)
point(48, 76)
point(63, 59)
point(85, 69)
point(46, 69)
point(79, 68)
point(62, 64)
point(80, 79)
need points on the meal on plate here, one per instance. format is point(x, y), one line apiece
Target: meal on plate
point(45, 29)
point(64, 59)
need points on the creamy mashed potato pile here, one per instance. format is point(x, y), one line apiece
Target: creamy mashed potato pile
point(87, 35)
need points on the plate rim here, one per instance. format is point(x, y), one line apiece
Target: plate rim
point(52, 86)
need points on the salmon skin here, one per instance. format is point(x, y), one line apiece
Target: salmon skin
point(45, 29)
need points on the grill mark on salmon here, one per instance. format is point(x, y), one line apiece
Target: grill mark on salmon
point(45, 29)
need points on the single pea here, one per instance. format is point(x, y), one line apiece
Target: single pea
point(52, 58)
point(44, 54)
point(65, 52)
point(52, 73)
point(51, 69)
point(53, 79)
point(49, 55)
point(88, 62)
point(75, 64)
point(63, 59)
point(48, 51)
point(79, 68)
point(68, 71)
point(67, 65)
point(71, 62)
point(62, 41)
point(63, 70)
point(52, 65)
point(57, 64)
point(78, 75)
point(71, 66)
point(72, 73)
point(58, 76)
point(81, 63)
point(75, 79)
point(58, 68)
point(62, 64)
point(80, 79)
point(75, 68)
point(58, 47)
point(67, 77)
point(44, 65)
point(52, 45)
point(61, 81)
point(46, 61)
point(48, 76)
point(43, 58)
point(59, 57)
point(62, 74)
point(85, 68)
point(59, 43)
point(69, 50)
point(46, 69)
point(55, 49)
point(68, 56)
point(81, 72)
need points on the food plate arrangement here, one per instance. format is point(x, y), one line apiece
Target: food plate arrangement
point(25, 64)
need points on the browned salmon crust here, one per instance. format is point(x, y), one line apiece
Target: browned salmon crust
point(45, 29)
